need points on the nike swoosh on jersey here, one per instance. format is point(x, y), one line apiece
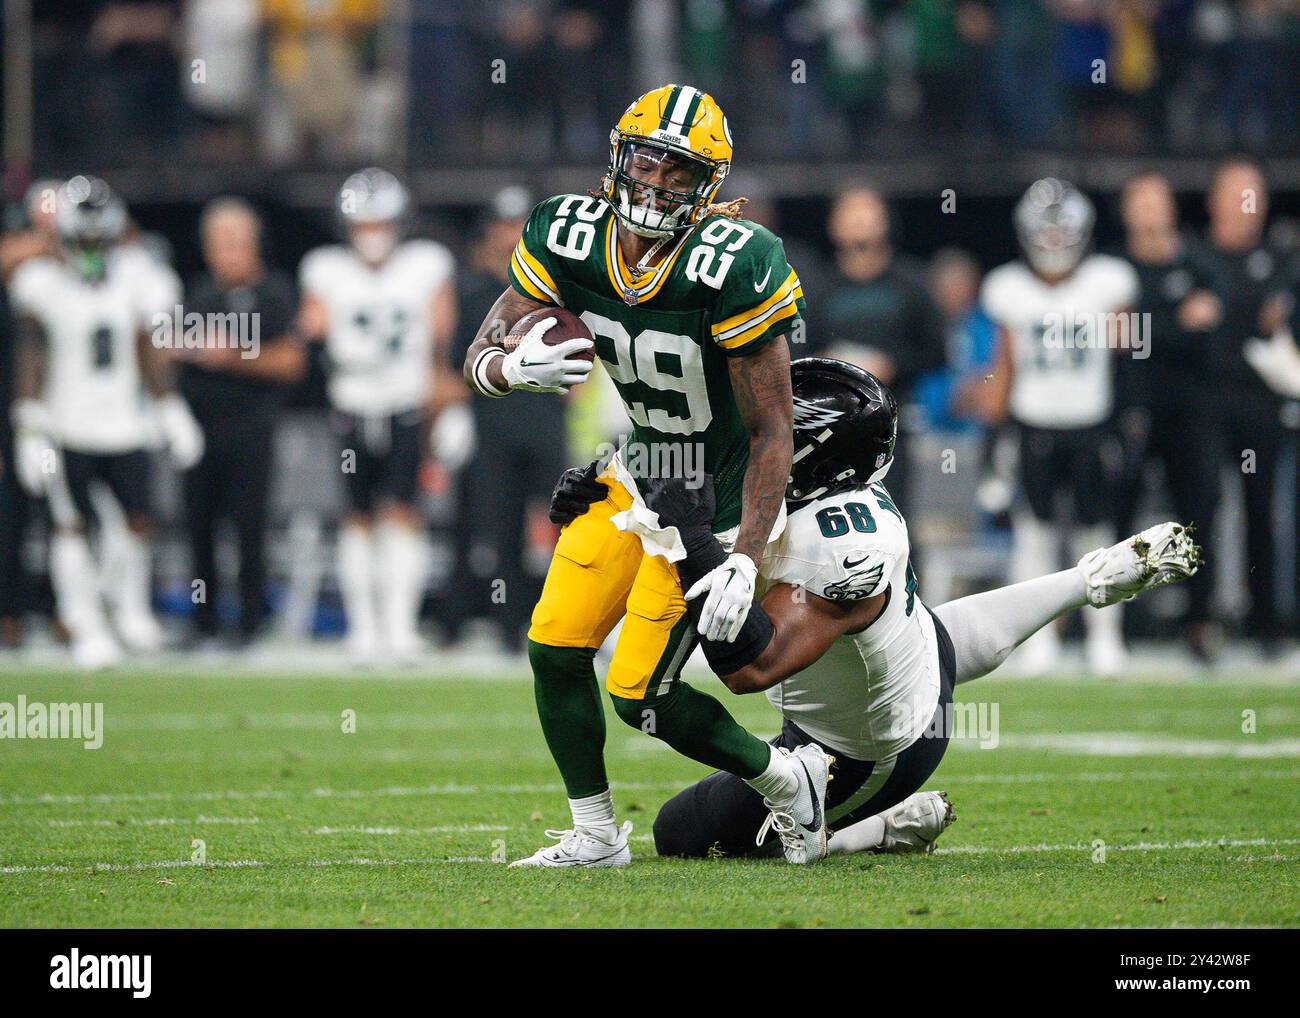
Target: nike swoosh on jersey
point(761, 285)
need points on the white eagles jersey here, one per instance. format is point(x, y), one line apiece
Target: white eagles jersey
point(379, 343)
point(874, 692)
point(92, 386)
point(1063, 362)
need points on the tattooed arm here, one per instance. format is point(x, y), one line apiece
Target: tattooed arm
point(509, 308)
point(761, 384)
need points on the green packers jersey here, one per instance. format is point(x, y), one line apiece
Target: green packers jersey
point(724, 289)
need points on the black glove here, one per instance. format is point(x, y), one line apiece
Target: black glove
point(691, 511)
point(574, 494)
point(682, 506)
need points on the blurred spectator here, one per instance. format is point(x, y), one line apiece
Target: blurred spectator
point(236, 394)
point(806, 259)
point(1249, 278)
point(877, 312)
point(316, 62)
point(1164, 408)
point(35, 238)
point(221, 73)
point(514, 468)
point(133, 40)
point(948, 395)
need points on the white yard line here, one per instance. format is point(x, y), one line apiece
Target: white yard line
point(176, 864)
point(445, 829)
point(1244, 747)
point(152, 821)
point(1141, 846)
point(546, 788)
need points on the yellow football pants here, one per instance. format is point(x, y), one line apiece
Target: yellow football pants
point(600, 574)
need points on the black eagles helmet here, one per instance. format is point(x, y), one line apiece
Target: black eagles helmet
point(845, 426)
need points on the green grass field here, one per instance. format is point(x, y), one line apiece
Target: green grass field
point(405, 821)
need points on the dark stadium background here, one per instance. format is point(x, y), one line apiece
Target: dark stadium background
point(911, 96)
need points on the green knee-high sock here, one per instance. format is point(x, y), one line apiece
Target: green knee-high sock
point(697, 726)
point(572, 715)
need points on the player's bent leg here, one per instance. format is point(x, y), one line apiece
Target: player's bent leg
point(644, 679)
point(911, 826)
point(867, 818)
point(986, 627)
point(648, 694)
point(718, 816)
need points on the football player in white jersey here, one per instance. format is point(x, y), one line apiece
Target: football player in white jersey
point(1061, 315)
point(839, 640)
point(84, 375)
point(386, 310)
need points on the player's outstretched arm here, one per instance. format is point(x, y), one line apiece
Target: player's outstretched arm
point(804, 626)
point(508, 309)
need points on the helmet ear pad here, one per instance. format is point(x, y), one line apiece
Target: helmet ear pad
point(845, 428)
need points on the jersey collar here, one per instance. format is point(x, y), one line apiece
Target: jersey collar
point(633, 289)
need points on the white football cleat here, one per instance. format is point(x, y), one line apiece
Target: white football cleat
point(581, 848)
point(96, 651)
point(801, 825)
point(915, 823)
point(1161, 554)
point(140, 633)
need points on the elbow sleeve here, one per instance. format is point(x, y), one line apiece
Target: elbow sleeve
point(755, 635)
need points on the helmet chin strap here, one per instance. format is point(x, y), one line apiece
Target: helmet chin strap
point(643, 265)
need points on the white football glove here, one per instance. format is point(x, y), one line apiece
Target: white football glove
point(1277, 361)
point(452, 439)
point(180, 431)
point(731, 594)
point(536, 367)
point(35, 458)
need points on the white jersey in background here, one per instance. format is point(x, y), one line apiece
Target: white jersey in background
point(874, 692)
point(379, 342)
point(1063, 363)
point(93, 388)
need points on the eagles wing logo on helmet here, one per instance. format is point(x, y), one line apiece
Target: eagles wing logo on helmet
point(808, 416)
point(855, 586)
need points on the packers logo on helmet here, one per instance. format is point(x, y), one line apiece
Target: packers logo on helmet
point(668, 155)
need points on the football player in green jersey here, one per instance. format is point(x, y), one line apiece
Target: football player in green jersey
point(690, 307)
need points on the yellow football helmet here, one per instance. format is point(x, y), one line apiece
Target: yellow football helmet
point(668, 155)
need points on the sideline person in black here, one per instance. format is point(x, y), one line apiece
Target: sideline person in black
point(877, 313)
point(235, 384)
point(36, 238)
point(1164, 408)
point(1249, 278)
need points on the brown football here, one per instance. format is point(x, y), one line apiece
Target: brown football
point(567, 326)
